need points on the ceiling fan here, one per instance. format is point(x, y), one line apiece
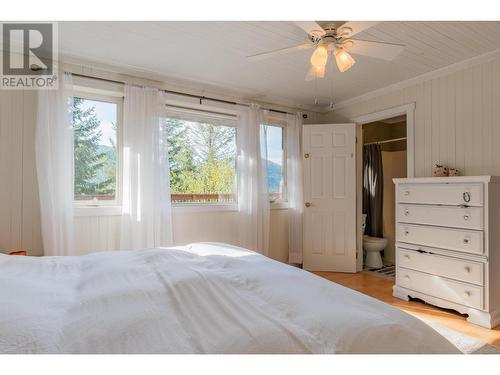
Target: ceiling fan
point(336, 39)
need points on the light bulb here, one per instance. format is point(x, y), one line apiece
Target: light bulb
point(318, 71)
point(319, 56)
point(343, 59)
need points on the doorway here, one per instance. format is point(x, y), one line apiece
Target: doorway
point(384, 158)
point(392, 131)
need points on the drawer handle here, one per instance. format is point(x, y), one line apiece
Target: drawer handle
point(407, 192)
point(407, 232)
point(466, 217)
point(467, 269)
point(407, 256)
point(467, 293)
point(466, 241)
point(407, 278)
point(466, 196)
point(407, 212)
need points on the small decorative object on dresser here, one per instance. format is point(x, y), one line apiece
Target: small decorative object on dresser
point(453, 172)
point(447, 246)
point(440, 170)
point(18, 252)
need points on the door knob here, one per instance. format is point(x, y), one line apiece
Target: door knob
point(306, 156)
point(308, 204)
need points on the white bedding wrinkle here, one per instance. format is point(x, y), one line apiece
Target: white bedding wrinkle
point(201, 298)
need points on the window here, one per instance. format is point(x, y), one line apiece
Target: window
point(95, 126)
point(202, 157)
point(274, 154)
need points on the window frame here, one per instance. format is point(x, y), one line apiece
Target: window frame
point(211, 112)
point(283, 202)
point(108, 207)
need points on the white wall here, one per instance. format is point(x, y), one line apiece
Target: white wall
point(456, 117)
point(19, 204)
point(98, 233)
point(456, 123)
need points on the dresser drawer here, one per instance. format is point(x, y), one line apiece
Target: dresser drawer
point(440, 287)
point(446, 216)
point(452, 268)
point(468, 241)
point(446, 194)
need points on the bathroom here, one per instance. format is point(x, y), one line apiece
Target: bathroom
point(384, 158)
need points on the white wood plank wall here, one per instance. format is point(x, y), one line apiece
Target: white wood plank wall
point(457, 118)
point(19, 204)
point(456, 123)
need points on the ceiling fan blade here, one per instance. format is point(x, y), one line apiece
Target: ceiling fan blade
point(358, 26)
point(311, 28)
point(379, 50)
point(281, 51)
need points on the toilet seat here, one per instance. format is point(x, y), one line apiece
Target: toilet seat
point(374, 240)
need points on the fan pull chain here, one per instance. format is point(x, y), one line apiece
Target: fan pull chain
point(316, 91)
point(331, 74)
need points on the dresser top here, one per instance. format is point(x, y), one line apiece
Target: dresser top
point(449, 180)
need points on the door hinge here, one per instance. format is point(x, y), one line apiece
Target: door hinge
point(356, 255)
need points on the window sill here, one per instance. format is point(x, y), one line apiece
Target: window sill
point(179, 208)
point(279, 206)
point(97, 210)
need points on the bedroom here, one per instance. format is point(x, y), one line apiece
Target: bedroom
point(221, 186)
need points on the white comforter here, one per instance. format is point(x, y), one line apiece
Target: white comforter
point(202, 298)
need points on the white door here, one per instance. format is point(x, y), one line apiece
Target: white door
point(330, 197)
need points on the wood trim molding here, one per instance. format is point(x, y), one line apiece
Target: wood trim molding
point(449, 69)
point(409, 111)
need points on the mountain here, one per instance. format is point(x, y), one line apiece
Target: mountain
point(273, 176)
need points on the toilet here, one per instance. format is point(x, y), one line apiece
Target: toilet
point(373, 246)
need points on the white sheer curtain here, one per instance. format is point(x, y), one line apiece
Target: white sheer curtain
point(54, 167)
point(294, 187)
point(253, 198)
point(146, 212)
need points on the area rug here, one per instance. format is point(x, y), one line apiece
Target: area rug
point(464, 343)
point(388, 271)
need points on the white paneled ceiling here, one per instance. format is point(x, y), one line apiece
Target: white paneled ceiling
point(214, 53)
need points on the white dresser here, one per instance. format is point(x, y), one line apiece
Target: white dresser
point(448, 244)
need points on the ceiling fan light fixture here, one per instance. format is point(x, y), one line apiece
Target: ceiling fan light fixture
point(318, 71)
point(320, 56)
point(344, 60)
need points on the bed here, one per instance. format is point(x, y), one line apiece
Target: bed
point(200, 298)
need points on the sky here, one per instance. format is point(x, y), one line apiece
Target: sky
point(106, 113)
point(274, 144)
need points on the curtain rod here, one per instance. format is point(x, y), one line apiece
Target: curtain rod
point(184, 94)
point(387, 141)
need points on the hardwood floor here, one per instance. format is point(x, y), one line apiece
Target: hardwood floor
point(381, 289)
